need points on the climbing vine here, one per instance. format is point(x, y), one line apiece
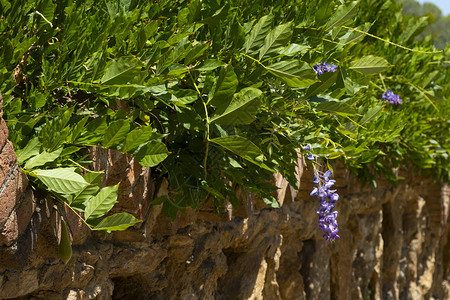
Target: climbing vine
point(216, 94)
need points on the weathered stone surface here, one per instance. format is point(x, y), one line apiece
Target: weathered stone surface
point(394, 243)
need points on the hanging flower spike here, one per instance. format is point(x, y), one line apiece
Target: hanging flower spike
point(321, 68)
point(392, 98)
point(327, 217)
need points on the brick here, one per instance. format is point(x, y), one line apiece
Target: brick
point(3, 133)
point(10, 231)
point(25, 210)
point(11, 195)
point(8, 199)
point(7, 161)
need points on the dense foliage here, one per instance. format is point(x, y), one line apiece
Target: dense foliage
point(438, 24)
point(217, 94)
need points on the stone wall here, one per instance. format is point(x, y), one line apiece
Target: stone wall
point(394, 242)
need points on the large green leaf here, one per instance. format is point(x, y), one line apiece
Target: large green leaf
point(116, 133)
point(225, 86)
point(276, 39)
point(125, 70)
point(137, 137)
point(343, 13)
point(31, 149)
point(244, 148)
point(241, 110)
point(101, 203)
point(152, 153)
point(43, 158)
point(61, 180)
point(94, 180)
point(370, 64)
point(117, 222)
point(295, 73)
point(259, 32)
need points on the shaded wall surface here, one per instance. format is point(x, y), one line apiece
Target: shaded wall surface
point(394, 242)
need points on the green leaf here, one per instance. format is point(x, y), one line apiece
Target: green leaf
point(293, 49)
point(343, 13)
point(276, 39)
point(94, 180)
point(78, 128)
point(271, 201)
point(31, 149)
point(209, 65)
point(117, 222)
point(241, 109)
point(42, 158)
point(176, 70)
point(184, 96)
point(328, 79)
point(295, 73)
point(61, 180)
point(336, 107)
point(259, 32)
point(371, 113)
point(353, 36)
point(116, 133)
point(213, 192)
point(225, 86)
point(101, 203)
point(152, 153)
point(137, 137)
point(145, 33)
point(125, 70)
point(370, 64)
point(196, 52)
point(244, 148)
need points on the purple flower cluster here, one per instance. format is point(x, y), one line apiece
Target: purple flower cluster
point(310, 155)
point(327, 197)
point(392, 98)
point(321, 68)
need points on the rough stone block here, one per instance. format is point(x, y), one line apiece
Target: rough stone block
point(3, 133)
point(10, 193)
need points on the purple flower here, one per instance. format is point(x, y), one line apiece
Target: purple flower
point(327, 197)
point(321, 68)
point(307, 148)
point(310, 156)
point(392, 98)
point(316, 179)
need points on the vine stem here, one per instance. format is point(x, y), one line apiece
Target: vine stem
point(87, 170)
point(248, 56)
point(382, 81)
point(389, 42)
point(76, 213)
point(424, 93)
point(205, 160)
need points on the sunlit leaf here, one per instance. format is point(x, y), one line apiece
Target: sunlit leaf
point(101, 203)
point(116, 133)
point(241, 110)
point(259, 32)
point(370, 64)
point(61, 180)
point(117, 222)
point(152, 153)
point(295, 73)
